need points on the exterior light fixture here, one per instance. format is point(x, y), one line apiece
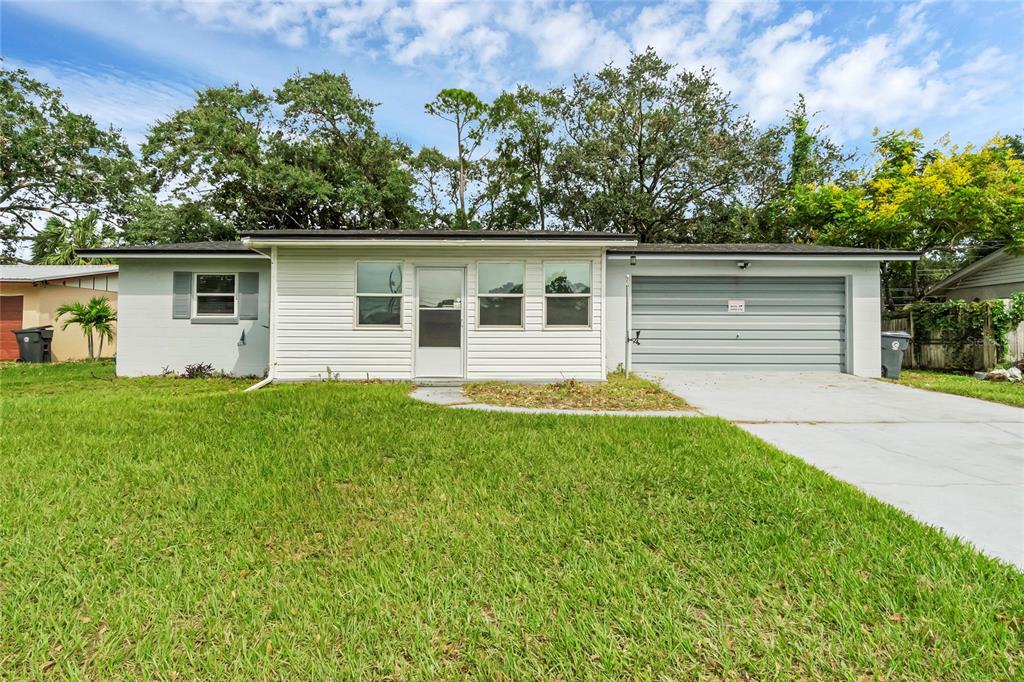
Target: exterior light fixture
point(632, 259)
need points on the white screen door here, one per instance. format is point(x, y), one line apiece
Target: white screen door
point(439, 322)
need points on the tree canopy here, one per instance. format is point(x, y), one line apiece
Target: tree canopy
point(56, 166)
point(306, 156)
point(644, 148)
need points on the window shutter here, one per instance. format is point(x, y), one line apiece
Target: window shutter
point(182, 307)
point(248, 295)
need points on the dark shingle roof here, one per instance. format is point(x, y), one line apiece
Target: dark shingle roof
point(766, 249)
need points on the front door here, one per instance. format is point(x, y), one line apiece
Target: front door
point(439, 322)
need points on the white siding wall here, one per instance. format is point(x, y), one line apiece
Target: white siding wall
point(149, 339)
point(863, 303)
point(315, 326)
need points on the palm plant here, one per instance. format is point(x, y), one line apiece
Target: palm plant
point(96, 318)
point(58, 241)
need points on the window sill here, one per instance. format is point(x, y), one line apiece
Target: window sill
point(214, 320)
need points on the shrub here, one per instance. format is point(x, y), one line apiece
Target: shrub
point(198, 370)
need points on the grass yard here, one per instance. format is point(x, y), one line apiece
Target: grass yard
point(618, 393)
point(175, 529)
point(960, 384)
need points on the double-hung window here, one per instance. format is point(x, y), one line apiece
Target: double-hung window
point(378, 294)
point(216, 294)
point(500, 294)
point(567, 293)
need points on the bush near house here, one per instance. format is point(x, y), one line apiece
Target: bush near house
point(968, 334)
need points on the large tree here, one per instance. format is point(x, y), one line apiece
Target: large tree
point(56, 167)
point(437, 187)
point(946, 202)
point(468, 114)
point(517, 188)
point(655, 152)
point(307, 156)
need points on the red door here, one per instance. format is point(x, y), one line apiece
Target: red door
point(11, 308)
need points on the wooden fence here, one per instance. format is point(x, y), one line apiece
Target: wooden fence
point(927, 352)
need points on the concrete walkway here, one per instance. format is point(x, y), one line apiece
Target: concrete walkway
point(952, 462)
point(452, 396)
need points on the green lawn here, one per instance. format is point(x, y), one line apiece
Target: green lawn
point(174, 529)
point(960, 384)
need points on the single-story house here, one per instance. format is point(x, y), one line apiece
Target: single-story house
point(1000, 274)
point(530, 306)
point(31, 294)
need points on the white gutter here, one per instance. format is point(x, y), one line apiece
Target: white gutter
point(185, 255)
point(628, 360)
point(254, 243)
point(759, 256)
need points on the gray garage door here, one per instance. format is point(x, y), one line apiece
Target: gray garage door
point(742, 323)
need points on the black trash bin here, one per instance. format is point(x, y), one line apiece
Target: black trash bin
point(34, 343)
point(894, 344)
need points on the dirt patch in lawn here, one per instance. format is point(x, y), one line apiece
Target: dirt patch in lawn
point(618, 393)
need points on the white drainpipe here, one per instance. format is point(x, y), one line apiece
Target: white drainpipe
point(629, 324)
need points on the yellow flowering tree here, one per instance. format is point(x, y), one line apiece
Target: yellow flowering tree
point(947, 202)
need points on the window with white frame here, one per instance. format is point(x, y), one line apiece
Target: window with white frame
point(379, 294)
point(216, 294)
point(500, 294)
point(567, 293)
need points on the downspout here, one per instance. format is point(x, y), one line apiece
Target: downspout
point(259, 384)
point(629, 325)
point(269, 379)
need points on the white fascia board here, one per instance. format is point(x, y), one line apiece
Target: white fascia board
point(758, 256)
point(180, 256)
point(258, 244)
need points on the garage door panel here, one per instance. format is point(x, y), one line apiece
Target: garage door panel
point(747, 322)
point(713, 357)
point(651, 336)
point(788, 323)
point(754, 309)
point(751, 346)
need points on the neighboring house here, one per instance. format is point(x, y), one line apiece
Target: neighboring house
point(31, 294)
point(998, 275)
point(313, 304)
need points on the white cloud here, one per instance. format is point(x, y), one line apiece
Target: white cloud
point(571, 37)
point(113, 97)
point(783, 57)
point(882, 68)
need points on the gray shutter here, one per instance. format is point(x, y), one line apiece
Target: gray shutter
point(182, 307)
point(248, 295)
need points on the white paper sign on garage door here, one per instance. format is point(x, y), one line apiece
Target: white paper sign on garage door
point(737, 306)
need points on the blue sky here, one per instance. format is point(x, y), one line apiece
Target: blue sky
point(939, 66)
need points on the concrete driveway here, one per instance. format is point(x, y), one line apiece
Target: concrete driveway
point(952, 462)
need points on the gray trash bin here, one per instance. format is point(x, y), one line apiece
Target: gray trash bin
point(894, 344)
point(34, 343)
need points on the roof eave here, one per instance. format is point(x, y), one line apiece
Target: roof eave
point(138, 254)
point(264, 242)
point(752, 255)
